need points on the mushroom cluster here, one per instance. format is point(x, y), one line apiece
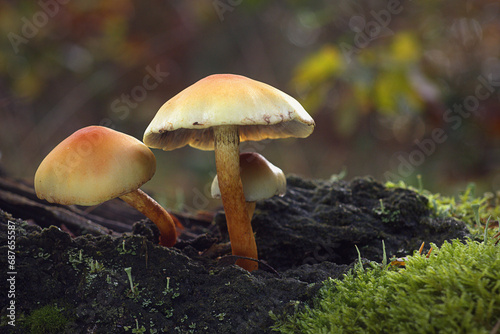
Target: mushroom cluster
point(96, 164)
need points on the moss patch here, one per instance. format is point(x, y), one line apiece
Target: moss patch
point(455, 290)
point(46, 320)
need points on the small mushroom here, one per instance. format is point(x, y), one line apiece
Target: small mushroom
point(261, 180)
point(96, 164)
point(216, 113)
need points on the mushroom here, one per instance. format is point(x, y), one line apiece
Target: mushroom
point(216, 113)
point(260, 178)
point(96, 164)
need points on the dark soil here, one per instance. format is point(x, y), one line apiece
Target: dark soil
point(306, 236)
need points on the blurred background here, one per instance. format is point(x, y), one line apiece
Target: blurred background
point(397, 88)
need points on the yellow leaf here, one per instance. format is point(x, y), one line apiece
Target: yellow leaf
point(393, 91)
point(319, 67)
point(385, 89)
point(405, 48)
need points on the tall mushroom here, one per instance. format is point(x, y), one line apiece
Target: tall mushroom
point(216, 113)
point(260, 178)
point(96, 164)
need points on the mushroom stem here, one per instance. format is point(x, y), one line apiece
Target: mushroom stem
point(227, 161)
point(250, 209)
point(156, 213)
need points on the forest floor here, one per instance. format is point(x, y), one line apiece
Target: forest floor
point(69, 269)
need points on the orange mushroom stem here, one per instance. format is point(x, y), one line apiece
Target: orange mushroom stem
point(250, 209)
point(227, 161)
point(156, 213)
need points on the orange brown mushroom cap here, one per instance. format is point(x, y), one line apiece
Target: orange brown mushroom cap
point(259, 110)
point(218, 112)
point(96, 164)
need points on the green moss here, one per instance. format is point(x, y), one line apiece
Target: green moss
point(46, 320)
point(455, 290)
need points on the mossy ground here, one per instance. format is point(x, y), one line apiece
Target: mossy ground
point(308, 236)
point(46, 320)
point(454, 289)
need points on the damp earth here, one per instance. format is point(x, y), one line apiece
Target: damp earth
point(78, 282)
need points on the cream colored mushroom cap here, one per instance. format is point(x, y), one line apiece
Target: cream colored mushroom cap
point(93, 165)
point(261, 179)
point(260, 110)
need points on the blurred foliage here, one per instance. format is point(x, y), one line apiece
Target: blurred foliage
point(379, 79)
point(377, 76)
point(371, 76)
point(58, 37)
